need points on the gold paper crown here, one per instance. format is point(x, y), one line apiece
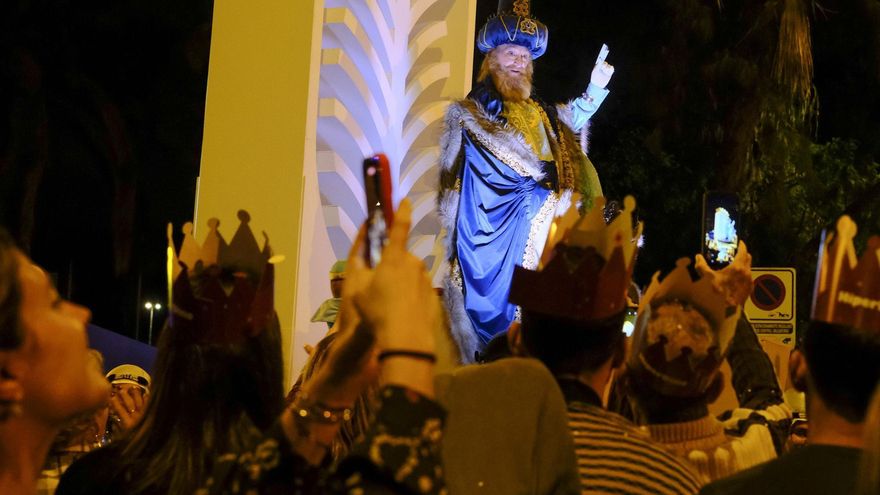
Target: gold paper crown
point(667, 360)
point(220, 292)
point(586, 267)
point(847, 289)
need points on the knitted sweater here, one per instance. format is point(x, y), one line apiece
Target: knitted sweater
point(717, 449)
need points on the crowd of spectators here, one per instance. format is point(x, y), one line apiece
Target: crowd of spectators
point(563, 402)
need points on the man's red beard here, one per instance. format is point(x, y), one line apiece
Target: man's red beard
point(512, 87)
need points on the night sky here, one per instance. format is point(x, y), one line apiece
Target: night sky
point(103, 107)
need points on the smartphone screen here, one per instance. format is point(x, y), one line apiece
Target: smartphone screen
point(720, 228)
point(629, 321)
point(380, 212)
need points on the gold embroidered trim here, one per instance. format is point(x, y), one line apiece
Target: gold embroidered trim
point(528, 26)
point(560, 151)
point(509, 159)
point(521, 8)
point(455, 274)
point(510, 37)
point(531, 256)
point(525, 117)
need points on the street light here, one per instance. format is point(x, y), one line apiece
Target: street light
point(152, 307)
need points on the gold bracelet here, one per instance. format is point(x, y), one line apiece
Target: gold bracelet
point(306, 410)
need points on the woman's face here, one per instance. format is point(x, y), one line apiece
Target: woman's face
point(57, 374)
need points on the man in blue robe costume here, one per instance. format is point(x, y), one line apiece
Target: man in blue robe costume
point(508, 163)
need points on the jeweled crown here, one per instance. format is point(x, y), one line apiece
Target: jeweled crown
point(220, 292)
point(847, 288)
point(586, 267)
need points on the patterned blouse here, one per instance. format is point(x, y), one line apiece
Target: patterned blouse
point(400, 453)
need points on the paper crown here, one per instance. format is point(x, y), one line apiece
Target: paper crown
point(586, 267)
point(513, 24)
point(847, 288)
point(220, 292)
point(674, 356)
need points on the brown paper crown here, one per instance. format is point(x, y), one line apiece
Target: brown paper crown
point(667, 362)
point(586, 267)
point(847, 288)
point(219, 292)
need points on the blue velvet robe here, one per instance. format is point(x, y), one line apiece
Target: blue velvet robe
point(495, 214)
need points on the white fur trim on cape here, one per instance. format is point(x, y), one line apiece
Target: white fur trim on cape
point(503, 141)
point(566, 117)
point(563, 111)
point(564, 203)
point(447, 209)
point(459, 323)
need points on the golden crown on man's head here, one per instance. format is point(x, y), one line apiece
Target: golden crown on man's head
point(586, 267)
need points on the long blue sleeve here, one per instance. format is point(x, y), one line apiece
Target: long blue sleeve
point(584, 107)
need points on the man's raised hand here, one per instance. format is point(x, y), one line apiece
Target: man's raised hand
point(603, 71)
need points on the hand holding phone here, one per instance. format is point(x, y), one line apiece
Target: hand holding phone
point(380, 210)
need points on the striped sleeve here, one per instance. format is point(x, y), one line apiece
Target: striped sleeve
point(616, 457)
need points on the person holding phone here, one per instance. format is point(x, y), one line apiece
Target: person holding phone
point(128, 396)
point(508, 164)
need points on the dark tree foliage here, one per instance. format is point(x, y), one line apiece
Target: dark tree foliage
point(102, 107)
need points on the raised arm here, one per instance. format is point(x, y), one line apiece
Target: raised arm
point(386, 323)
point(585, 106)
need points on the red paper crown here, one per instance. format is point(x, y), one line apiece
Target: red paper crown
point(220, 292)
point(847, 288)
point(587, 266)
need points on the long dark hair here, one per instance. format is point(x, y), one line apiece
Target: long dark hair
point(10, 294)
point(207, 399)
point(363, 409)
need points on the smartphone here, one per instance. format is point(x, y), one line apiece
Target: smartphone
point(629, 321)
point(720, 228)
point(380, 210)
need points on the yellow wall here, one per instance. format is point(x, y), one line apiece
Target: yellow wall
point(460, 46)
point(260, 127)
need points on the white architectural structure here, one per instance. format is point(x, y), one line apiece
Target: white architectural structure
point(299, 92)
point(388, 70)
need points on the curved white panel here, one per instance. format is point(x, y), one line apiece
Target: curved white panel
point(384, 86)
